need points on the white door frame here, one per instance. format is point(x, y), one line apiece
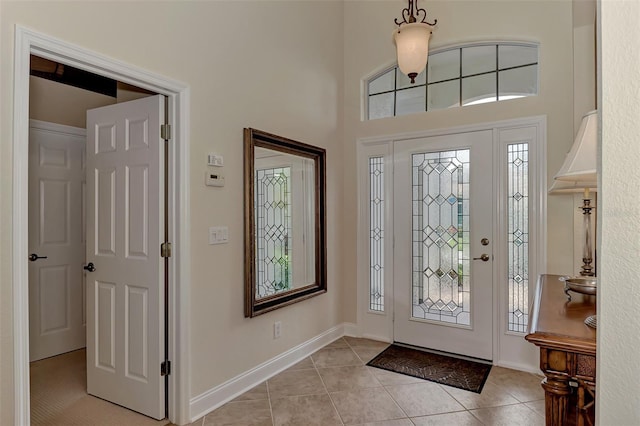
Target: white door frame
point(379, 325)
point(29, 42)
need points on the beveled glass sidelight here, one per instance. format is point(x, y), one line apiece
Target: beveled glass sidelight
point(284, 221)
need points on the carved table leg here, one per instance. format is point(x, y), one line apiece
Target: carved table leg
point(556, 400)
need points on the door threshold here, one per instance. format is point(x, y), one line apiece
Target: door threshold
point(450, 354)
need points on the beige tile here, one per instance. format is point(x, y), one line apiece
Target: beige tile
point(337, 357)
point(365, 343)
point(537, 406)
point(388, 378)
point(492, 396)
point(524, 387)
point(198, 422)
point(340, 343)
point(460, 418)
point(304, 364)
point(366, 405)
point(257, 392)
point(294, 383)
point(345, 378)
point(366, 354)
point(422, 399)
point(245, 413)
point(398, 422)
point(509, 415)
point(304, 410)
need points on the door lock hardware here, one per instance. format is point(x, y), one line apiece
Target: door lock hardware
point(484, 257)
point(33, 257)
point(484, 241)
point(89, 267)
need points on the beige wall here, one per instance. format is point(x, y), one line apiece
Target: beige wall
point(619, 288)
point(275, 66)
point(369, 46)
point(62, 104)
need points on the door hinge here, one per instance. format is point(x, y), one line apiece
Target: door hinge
point(165, 368)
point(165, 131)
point(165, 249)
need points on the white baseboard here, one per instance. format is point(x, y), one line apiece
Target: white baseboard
point(520, 367)
point(377, 337)
point(225, 392)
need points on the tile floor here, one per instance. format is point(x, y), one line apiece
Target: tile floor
point(335, 387)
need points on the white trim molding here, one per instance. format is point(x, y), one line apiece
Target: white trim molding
point(219, 395)
point(28, 42)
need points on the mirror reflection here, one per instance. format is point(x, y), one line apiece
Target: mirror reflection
point(284, 222)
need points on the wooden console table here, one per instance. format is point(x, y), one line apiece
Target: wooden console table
point(567, 352)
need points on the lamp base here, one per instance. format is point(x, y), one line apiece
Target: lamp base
point(591, 321)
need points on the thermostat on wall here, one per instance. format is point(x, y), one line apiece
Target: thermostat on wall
point(213, 179)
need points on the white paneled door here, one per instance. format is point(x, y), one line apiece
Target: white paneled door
point(56, 240)
point(443, 227)
point(125, 221)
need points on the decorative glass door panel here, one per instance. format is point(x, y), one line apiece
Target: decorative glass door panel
point(443, 226)
point(440, 192)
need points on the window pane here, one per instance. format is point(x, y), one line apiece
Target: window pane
point(443, 95)
point(404, 81)
point(444, 65)
point(518, 235)
point(478, 59)
point(410, 101)
point(518, 82)
point(384, 83)
point(381, 106)
point(376, 236)
point(513, 56)
point(479, 89)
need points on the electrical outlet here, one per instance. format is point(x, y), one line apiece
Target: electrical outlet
point(277, 329)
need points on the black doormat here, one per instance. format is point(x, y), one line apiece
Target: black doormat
point(446, 370)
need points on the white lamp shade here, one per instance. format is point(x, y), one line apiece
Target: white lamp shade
point(563, 187)
point(412, 44)
point(580, 165)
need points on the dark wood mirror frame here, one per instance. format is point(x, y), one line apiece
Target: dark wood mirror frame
point(258, 139)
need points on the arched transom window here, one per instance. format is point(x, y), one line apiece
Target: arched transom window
point(460, 76)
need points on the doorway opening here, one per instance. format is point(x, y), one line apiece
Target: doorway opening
point(61, 284)
point(29, 43)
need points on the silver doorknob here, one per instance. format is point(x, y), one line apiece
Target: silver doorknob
point(89, 267)
point(33, 257)
point(484, 257)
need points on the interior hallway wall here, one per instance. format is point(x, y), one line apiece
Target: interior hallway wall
point(618, 383)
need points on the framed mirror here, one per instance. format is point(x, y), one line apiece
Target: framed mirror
point(284, 221)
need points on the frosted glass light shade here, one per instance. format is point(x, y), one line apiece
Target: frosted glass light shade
point(580, 164)
point(412, 44)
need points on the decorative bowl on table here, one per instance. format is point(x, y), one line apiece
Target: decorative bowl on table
point(584, 285)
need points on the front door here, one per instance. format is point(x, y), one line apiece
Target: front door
point(125, 278)
point(443, 221)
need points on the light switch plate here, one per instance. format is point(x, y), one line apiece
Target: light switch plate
point(218, 235)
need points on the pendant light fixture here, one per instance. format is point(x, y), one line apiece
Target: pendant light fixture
point(412, 40)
